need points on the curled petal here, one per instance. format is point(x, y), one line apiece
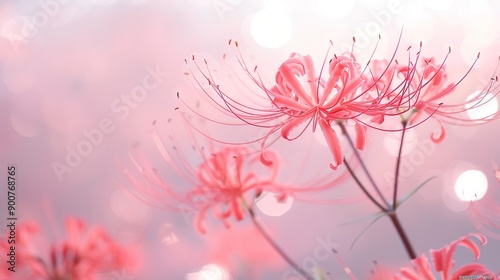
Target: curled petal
point(199, 222)
point(333, 143)
point(285, 131)
point(338, 112)
point(441, 136)
point(288, 76)
point(265, 160)
point(443, 257)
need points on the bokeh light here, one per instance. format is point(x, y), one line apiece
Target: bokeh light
point(209, 272)
point(471, 185)
point(271, 27)
point(269, 205)
point(484, 107)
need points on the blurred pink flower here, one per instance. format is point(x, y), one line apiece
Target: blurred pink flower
point(444, 263)
point(485, 212)
point(224, 182)
point(243, 250)
point(85, 254)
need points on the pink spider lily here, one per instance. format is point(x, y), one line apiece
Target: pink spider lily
point(426, 87)
point(226, 181)
point(341, 91)
point(85, 254)
point(300, 96)
point(221, 183)
point(443, 263)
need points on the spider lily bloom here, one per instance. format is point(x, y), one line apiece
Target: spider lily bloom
point(301, 97)
point(85, 254)
point(444, 263)
point(421, 86)
point(225, 180)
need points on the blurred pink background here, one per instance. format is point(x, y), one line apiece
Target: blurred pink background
point(73, 71)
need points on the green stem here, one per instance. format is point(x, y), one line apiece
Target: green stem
point(362, 187)
point(276, 247)
point(363, 166)
point(398, 164)
point(390, 211)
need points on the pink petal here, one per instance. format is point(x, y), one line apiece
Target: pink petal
point(360, 136)
point(437, 258)
point(291, 80)
point(265, 160)
point(409, 275)
point(441, 136)
point(333, 143)
point(423, 267)
point(378, 119)
point(311, 76)
point(285, 131)
point(284, 101)
point(466, 242)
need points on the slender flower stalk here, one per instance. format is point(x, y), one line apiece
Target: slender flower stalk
point(276, 247)
point(389, 210)
point(363, 188)
point(226, 178)
point(402, 234)
point(363, 166)
point(398, 165)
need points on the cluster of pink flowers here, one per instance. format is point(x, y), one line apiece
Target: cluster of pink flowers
point(229, 178)
point(413, 92)
point(84, 255)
